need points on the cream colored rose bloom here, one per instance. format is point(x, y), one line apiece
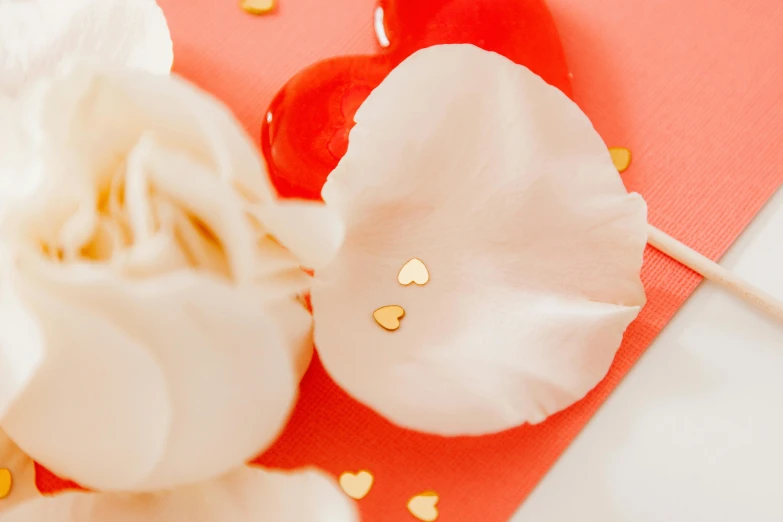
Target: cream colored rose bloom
point(37, 36)
point(150, 325)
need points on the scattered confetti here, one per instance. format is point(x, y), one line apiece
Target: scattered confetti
point(258, 7)
point(389, 317)
point(621, 157)
point(414, 271)
point(422, 506)
point(6, 481)
point(356, 485)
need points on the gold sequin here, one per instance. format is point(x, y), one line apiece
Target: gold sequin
point(258, 7)
point(414, 271)
point(424, 506)
point(388, 317)
point(621, 157)
point(356, 485)
point(6, 482)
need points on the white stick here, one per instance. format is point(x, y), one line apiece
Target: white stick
point(715, 273)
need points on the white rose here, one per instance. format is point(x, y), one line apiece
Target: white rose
point(37, 36)
point(150, 325)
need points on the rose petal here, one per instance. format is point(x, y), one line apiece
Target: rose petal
point(68, 131)
point(22, 471)
point(36, 36)
point(297, 326)
point(16, 366)
point(215, 203)
point(218, 377)
point(245, 495)
point(193, 300)
point(78, 125)
point(500, 184)
point(310, 230)
point(79, 382)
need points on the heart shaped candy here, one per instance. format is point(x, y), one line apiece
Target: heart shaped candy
point(306, 130)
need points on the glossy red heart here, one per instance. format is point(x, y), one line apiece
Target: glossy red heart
point(306, 130)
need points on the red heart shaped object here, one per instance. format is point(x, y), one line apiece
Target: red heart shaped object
point(306, 130)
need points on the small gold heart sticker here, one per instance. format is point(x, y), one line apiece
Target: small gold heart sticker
point(389, 317)
point(422, 506)
point(356, 485)
point(414, 271)
point(258, 7)
point(621, 157)
point(6, 481)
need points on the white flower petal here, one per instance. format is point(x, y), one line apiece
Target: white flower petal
point(37, 36)
point(22, 470)
point(90, 118)
point(245, 495)
point(148, 384)
point(72, 388)
point(17, 367)
point(500, 184)
point(297, 325)
point(154, 323)
point(313, 232)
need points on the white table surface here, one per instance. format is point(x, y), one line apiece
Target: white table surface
point(695, 431)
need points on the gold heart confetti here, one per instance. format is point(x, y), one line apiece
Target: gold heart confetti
point(621, 157)
point(356, 485)
point(258, 7)
point(6, 481)
point(422, 506)
point(389, 317)
point(414, 271)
